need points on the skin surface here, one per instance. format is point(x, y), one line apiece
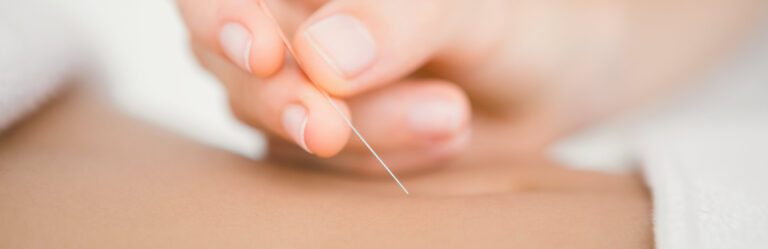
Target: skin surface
point(81, 175)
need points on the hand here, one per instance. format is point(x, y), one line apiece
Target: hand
point(405, 71)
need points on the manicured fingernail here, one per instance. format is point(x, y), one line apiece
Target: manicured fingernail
point(236, 42)
point(436, 118)
point(344, 42)
point(295, 120)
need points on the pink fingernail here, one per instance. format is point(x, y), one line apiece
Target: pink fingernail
point(436, 118)
point(295, 120)
point(344, 42)
point(236, 42)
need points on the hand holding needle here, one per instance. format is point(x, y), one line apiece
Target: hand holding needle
point(341, 113)
point(410, 124)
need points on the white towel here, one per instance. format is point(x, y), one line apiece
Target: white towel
point(38, 51)
point(709, 180)
point(706, 162)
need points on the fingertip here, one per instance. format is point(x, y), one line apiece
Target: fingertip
point(424, 112)
point(348, 46)
point(441, 111)
point(268, 52)
point(318, 68)
point(326, 133)
point(251, 40)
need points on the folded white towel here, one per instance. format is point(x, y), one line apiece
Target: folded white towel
point(709, 182)
point(38, 51)
point(707, 163)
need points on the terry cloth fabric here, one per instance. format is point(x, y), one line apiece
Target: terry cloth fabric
point(709, 180)
point(37, 54)
point(706, 163)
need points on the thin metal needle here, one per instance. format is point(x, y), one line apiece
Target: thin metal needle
point(287, 44)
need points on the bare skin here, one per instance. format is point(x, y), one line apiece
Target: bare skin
point(81, 175)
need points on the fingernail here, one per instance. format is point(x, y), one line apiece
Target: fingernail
point(295, 120)
point(344, 43)
point(436, 118)
point(236, 42)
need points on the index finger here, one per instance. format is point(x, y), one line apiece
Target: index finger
point(236, 29)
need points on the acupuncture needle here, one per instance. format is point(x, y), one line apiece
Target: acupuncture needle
point(327, 96)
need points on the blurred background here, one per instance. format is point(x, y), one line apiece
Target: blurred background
point(144, 58)
point(142, 55)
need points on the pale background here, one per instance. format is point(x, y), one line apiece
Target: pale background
point(151, 73)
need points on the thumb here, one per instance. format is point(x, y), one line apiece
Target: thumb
point(349, 46)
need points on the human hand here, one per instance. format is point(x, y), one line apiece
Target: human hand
point(407, 70)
